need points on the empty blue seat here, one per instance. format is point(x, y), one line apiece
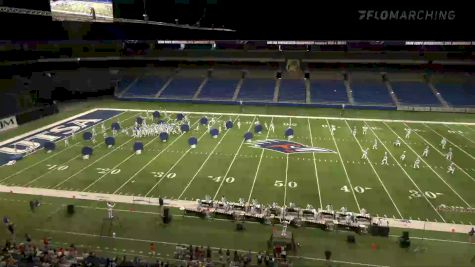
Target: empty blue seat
point(146, 86)
point(414, 93)
point(328, 91)
point(371, 92)
point(219, 89)
point(123, 84)
point(257, 89)
point(457, 94)
point(182, 88)
point(292, 91)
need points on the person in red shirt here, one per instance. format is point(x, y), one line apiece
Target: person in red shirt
point(153, 248)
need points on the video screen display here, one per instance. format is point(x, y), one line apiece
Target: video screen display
point(82, 10)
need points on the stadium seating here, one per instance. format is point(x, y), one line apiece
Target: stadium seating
point(328, 91)
point(414, 93)
point(457, 94)
point(183, 88)
point(145, 86)
point(292, 90)
point(257, 90)
point(123, 84)
point(218, 89)
point(371, 92)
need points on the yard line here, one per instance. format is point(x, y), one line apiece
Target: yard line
point(375, 172)
point(258, 165)
point(55, 154)
point(232, 162)
point(172, 167)
point(286, 175)
point(405, 172)
point(92, 163)
point(71, 159)
point(468, 139)
point(127, 158)
point(422, 158)
point(204, 163)
point(315, 164)
point(286, 170)
point(344, 168)
point(470, 155)
point(442, 154)
point(469, 128)
point(298, 117)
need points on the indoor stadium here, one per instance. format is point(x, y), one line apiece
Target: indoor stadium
point(235, 133)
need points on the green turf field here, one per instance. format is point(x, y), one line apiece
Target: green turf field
point(139, 225)
point(226, 166)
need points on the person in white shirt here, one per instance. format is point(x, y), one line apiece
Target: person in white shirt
point(385, 159)
point(449, 154)
point(365, 154)
point(451, 168)
point(365, 129)
point(375, 144)
point(426, 152)
point(403, 156)
point(416, 163)
point(397, 142)
point(443, 142)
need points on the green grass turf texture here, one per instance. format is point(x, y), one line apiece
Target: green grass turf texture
point(228, 167)
point(139, 225)
point(382, 190)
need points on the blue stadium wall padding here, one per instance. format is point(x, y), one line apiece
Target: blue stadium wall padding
point(229, 124)
point(262, 103)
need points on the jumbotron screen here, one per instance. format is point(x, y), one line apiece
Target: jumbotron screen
point(82, 10)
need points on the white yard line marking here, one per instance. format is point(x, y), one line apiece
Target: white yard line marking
point(204, 163)
point(172, 167)
point(286, 175)
point(152, 160)
point(377, 175)
point(462, 135)
point(405, 172)
point(286, 171)
point(64, 150)
point(232, 162)
point(71, 159)
point(344, 168)
point(258, 165)
point(92, 163)
point(427, 164)
point(315, 166)
point(175, 244)
point(297, 117)
point(442, 154)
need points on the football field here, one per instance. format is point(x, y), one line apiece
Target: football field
point(230, 167)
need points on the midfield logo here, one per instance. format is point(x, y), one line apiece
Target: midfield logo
point(289, 147)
